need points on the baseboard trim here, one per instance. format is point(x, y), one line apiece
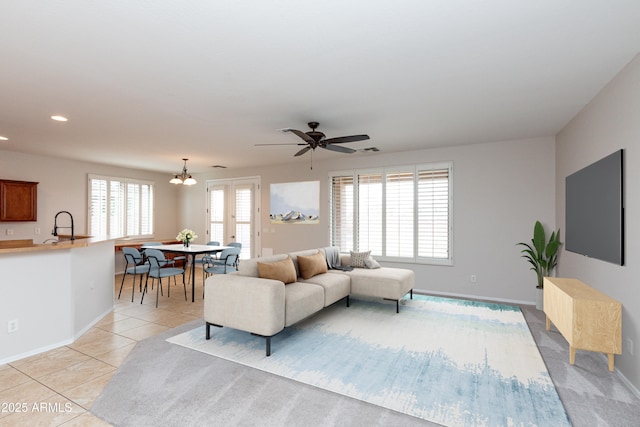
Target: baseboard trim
point(474, 297)
point(58, 344)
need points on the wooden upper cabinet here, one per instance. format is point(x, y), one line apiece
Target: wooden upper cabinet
point(18, 200)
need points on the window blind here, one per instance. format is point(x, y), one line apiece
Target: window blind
point(433, 218)
point(342, 212)
point(120, 206)
point(369, 213)
point(397, 213)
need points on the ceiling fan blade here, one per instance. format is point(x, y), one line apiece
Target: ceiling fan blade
point(288, 143)
point(338, 148)
point(343, 139)
point(301, 152)
point(301, 134)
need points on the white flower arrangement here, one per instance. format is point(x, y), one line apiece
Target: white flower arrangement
point(187, 235)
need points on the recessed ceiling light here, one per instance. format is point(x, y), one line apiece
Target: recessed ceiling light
point(3, 138)
point(59, 118)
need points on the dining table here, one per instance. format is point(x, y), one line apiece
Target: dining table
point(193, 250)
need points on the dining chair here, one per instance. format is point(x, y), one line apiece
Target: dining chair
point(171, 261)
point(226, 263)
point(236, 245)
point(158, 270)
point(205, 259)
point(134, 266)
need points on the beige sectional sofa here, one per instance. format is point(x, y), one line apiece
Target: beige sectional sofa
point(268, 294)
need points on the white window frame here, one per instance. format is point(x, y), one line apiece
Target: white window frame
point(385, 172)
point(143, 218)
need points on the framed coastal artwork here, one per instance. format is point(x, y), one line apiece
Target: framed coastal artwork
point(295, 202)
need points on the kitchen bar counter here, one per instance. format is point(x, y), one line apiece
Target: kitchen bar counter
point(52, 293)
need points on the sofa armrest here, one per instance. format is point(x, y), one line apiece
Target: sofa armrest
point(247, 303)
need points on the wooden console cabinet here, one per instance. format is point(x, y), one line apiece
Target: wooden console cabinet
point(586, 318)
point(18, 200)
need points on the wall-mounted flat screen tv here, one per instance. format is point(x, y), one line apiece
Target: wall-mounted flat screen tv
point(595, 210)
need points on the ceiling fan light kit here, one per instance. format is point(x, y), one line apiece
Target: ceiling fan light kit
point(184, 177)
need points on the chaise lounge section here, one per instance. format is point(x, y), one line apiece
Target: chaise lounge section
point(268, 294)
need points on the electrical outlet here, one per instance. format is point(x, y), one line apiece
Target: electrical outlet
point(630, 346)
point(12, 326)
point(9, 231)
point(37, 230)
point(474, 278)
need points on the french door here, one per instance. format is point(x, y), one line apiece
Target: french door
point(234, 212)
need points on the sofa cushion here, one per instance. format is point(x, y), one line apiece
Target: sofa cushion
point(312, 265)
point(358, 258)
point(336, 286)
point(283, 271)
point(301, 300)
point(391, 283)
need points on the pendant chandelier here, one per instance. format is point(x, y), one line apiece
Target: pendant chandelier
point(184, 177)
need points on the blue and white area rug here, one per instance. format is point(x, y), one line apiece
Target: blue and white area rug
point(453, 362)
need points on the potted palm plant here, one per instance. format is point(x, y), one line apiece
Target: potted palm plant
point(542, 255)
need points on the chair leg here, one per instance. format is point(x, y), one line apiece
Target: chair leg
point(184, 285)
point(158, 288)
point(122, 284)
point(144, 291)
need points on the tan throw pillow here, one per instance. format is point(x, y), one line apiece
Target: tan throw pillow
point(283, 271)
point(358, 258)
point(312, 265)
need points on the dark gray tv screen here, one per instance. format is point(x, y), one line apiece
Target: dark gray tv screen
point(595, 210)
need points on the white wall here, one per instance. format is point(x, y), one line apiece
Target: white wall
point(63, 186)
point(610, 122)
point(500, 190)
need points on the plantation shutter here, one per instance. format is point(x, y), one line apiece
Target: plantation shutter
point(133, 209)
point(369, 213)
point(120, 207)
point(117, 208)
point(146, 209)
point(399, 214)
point(98, 207)
point(433, 213)
point(342, 213)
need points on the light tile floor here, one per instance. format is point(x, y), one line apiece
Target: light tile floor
point(56, 388)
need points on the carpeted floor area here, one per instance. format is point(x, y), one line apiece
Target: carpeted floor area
point(236, 395)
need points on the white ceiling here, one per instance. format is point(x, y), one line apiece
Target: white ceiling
point(146, 83)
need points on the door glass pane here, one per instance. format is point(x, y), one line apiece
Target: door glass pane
point(243, 219)
point(216, 215)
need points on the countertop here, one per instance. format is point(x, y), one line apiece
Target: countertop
point(22, 246)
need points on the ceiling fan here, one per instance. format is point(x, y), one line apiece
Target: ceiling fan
point(314, 139)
